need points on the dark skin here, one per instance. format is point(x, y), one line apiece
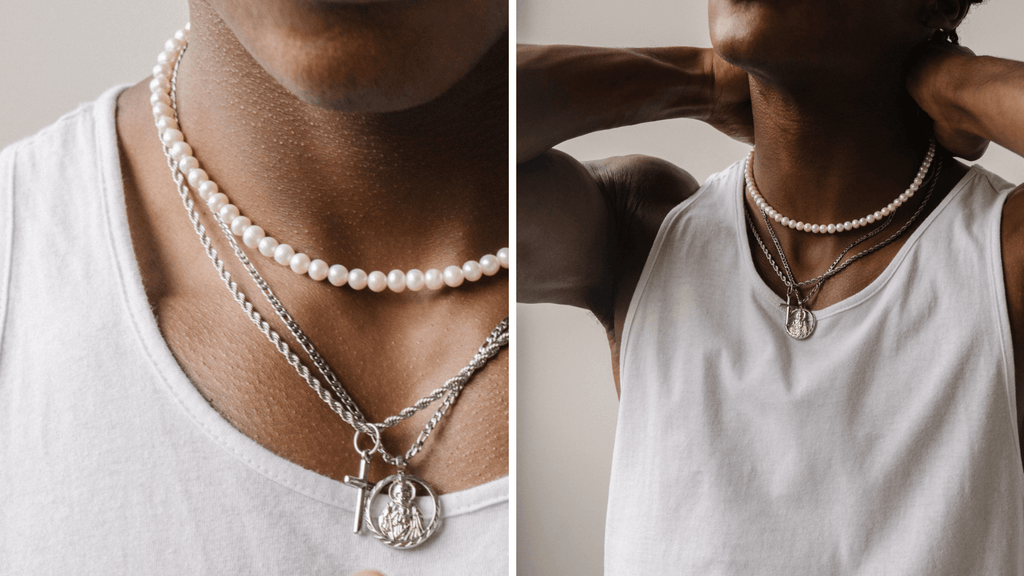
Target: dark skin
point(375, 180)
point(838, 132)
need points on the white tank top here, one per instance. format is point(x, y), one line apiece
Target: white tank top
point(111, 462)
point(886, 443)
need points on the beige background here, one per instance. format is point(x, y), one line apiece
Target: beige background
point(566, 397)
point(56, 55)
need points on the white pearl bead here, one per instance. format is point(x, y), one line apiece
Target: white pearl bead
point(905, 196)
point(415, 281)
point(878, 215)
point(472, 270)
point(283, 254)
point(376, 281)
point(161, 110)
point(357, 279)
point(173, 45)
point(196, 177)
point(180, 150)
point(228, 212)
point(160, 83)
point(207, 189)
point(453, 276)
point(239, 224)
point(785, 221)
point(337, 275)
point(884, 211)
point(847, 225)
point(433, 279)
point(183, 33)
point(299, 263)
point(831, 228)
point(187, 163)
point(814, 228)
point(870, 218)
point(896, 203)
point(777, 217)
point(164, 57)
point(318, 270)
point(217, 201)
point(166, 123)
point(396, 280)
point(503, 257)
point(267, 246)
point(253, 235)
point(792, 224)
point(169, 137)
point(159, 97)
point(489, 265)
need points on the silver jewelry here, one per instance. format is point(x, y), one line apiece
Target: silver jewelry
point(800, 320)
point(402, 526)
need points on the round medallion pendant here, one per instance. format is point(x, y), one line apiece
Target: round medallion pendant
point(800, 322)
point(399, 522)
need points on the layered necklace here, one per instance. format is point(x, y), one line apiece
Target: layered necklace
point(800, 320)
point(399, 521)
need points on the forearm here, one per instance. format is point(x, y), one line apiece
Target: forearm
point(990, 96)
point(567, 91)
point(982, 96)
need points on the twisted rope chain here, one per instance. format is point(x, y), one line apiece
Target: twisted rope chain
point(343, 405)
point(790, 281)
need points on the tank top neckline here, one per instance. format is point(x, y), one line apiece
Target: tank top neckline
point(176, 383)
point(737, 190)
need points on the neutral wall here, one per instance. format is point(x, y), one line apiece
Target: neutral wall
point(56, 55)
point(566, 397)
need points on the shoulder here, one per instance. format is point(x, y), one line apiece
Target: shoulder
point(584, 227)
point(640, 190)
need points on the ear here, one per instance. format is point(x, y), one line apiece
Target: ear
point(945, 14)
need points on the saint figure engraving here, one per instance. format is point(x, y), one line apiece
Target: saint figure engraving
point(402, 520)
point(800, 323)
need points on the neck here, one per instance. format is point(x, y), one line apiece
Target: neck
point(359, 187)
point(835, 151)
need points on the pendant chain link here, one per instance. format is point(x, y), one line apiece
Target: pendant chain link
point(792, 286)
point(340, 402)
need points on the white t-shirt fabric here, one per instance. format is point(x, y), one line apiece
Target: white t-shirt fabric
point(886, 443)
point(111, 462)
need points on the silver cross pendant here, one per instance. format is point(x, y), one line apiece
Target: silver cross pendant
point(363, 484)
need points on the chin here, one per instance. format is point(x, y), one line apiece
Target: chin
point(811, 36)
point(361, 78)
point(366, 55)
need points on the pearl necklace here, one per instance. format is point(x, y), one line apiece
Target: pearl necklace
point(399, 523)
point(253, 236)
point(762, 204)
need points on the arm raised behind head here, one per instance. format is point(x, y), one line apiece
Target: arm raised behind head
point(585, 228)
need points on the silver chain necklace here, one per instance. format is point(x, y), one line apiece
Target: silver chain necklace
point(400, 523)
point(800, 320)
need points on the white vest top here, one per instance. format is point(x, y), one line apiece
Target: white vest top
point(111, 462)
point(886, 443)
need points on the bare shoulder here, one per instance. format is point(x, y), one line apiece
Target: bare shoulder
point(642, 190)
point(584, 228)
